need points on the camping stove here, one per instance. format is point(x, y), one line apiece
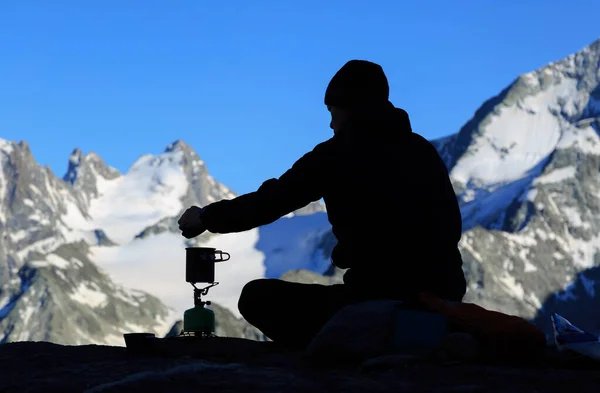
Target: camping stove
point(199, 321)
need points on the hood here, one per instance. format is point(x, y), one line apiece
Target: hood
point(387, 122)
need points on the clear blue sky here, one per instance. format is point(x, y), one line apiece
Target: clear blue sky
point(243, 81)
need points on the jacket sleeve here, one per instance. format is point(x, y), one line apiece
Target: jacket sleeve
point(297, 187)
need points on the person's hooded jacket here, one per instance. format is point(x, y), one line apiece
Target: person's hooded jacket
point(388, 197)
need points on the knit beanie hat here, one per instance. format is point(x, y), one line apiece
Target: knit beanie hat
point(357, 84)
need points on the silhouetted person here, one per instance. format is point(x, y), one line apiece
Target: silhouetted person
point(389, 200)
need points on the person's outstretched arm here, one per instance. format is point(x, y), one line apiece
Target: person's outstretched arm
point(302, 184)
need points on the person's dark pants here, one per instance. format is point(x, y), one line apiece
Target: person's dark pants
point(291, 313)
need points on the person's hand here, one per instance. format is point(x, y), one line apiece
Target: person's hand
point(190, 223)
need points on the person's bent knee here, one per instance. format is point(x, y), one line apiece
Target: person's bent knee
point(253, 296)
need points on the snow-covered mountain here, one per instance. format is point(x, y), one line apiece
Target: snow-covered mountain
point(525, 169)
point(102, 245)
point(49, 289)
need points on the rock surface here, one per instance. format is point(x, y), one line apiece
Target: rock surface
point(235, 365)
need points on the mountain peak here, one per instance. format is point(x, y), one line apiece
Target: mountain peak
point(75, 160)
point(513, 132)
point(187, 155)
point(78, 159)
point(177, 145)
point(581, 66)
point(76, 156)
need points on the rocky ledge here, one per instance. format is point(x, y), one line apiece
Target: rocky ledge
point(236, 365)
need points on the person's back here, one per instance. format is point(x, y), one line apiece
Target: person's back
point(396, 216)
point(391, 204)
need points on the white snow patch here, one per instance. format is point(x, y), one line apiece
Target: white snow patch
point(83, 338)
point(114, 340)
point(507, 264)
point(520, 239)
point(133, 327)
point(497, 198)
point(514, 140)
point(585, 139)
point(557, 175)
point(164, 324)
point(57, 261)
point(156, 265)
point(50, 192)
point(531, 194)
point(529, 267)
point(541, 234)
point(553, 204)
point(583, 251)
point(26, 314)
point(151, 190)
point(84, 294)
point(468, 195)
point(6, 146)
point(61, 274)
point(35, 189)
point(534, 300)
point(514, 288)
point(124, 297)
point(574, 217)
point(4, 302)
point(38, 263)
point(42, 246)
point(74, 218)
point(18, 235)
point(38, 218)
point(465, 244)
